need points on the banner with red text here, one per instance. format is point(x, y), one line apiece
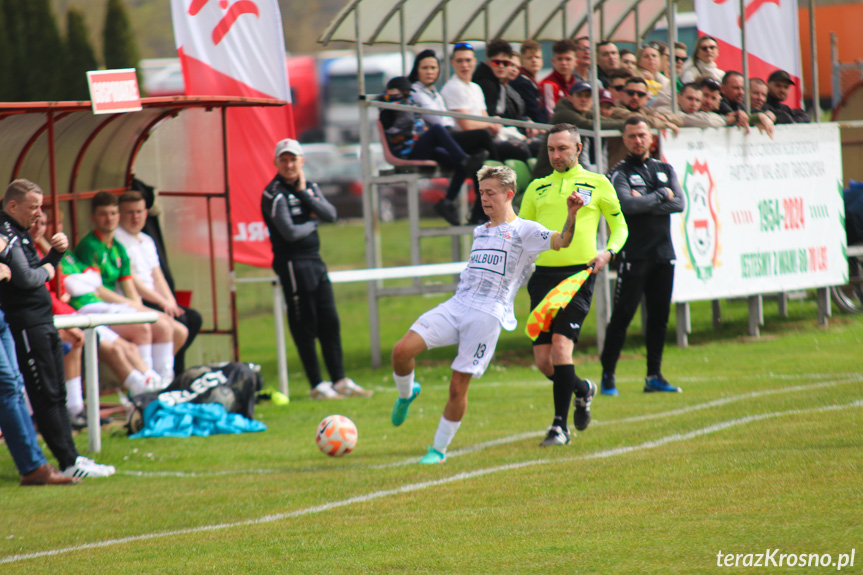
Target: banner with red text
point(237, 48)
point(772, 37)
point(762, 216)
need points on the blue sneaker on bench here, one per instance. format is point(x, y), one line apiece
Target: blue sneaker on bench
point(400, 409)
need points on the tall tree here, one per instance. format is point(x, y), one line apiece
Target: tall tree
point(119, 47)
point(80, 57)
point(8, 91)
point(43, 56)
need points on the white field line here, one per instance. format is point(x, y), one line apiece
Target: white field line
point(521, 436)
point(541, 381)
point(411, 487)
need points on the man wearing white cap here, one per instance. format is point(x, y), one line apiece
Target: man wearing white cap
point(292, 208)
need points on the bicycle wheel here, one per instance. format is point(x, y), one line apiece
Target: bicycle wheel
point(849, 298)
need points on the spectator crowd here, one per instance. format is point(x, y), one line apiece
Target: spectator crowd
point(508, 84)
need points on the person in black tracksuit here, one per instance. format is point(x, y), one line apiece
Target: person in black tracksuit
point(27, 304)
point(292, 208)
point(648, 191)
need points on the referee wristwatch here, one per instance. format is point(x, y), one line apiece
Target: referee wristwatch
point(612, 252)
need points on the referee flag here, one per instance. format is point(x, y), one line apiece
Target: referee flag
point(542, 315)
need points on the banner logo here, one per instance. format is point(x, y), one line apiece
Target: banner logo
point(701, 219)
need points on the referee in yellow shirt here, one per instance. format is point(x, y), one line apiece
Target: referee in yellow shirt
point(545, 202)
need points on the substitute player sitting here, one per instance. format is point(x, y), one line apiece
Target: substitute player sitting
point(500, 259)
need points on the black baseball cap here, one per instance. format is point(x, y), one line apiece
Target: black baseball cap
point(580, 87)
point(399, 83)
point(781, 76)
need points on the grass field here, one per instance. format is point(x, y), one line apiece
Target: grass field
point(762, 451)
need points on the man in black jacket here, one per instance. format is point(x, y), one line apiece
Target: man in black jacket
point(648, 191)
point(27, 304)
point(778, 86)
point(292, 208)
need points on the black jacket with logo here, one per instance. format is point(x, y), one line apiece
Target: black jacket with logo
point(647, 214)
point(25, 298)
point(292, 218)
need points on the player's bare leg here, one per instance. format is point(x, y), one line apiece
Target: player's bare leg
point(404, 352)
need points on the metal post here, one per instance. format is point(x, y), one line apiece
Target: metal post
point(602, 289)
point(485, 23)
point(370, 208)
point(822, 294)
point(281, 342)
point(834, 65)
point(745, 56)
point(671, 16)
point(443, 36)
point(682, 313)
point(402, 45)
point(716, 306)
point(755, 317)
point(813, 41)
point(91, 382)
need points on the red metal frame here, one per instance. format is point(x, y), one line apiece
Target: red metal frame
point(55, 111)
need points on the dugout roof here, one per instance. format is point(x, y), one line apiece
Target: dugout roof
point(441, 21)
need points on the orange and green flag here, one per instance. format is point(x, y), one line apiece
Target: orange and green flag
point(542, 315)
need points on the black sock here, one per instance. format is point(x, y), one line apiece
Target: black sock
point(580, 387)
point(562, 386)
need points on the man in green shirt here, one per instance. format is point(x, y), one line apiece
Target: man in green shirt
point(99, 250)
point(545, 202)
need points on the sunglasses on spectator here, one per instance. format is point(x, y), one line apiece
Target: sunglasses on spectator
point(636, 93)
point(680, 58)
point(463, 46)
point(502, 63)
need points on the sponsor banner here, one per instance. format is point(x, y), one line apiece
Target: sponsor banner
point(114, 91)
point(762, 216)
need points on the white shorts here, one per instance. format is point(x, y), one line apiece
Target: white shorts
point(453, 323)
point(107, 334)
point(105, 307)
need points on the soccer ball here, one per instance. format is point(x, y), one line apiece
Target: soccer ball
point(336, 436)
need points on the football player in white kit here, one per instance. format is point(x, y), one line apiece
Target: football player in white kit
point(501, 255)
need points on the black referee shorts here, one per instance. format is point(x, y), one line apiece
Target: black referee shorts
point(569, 320)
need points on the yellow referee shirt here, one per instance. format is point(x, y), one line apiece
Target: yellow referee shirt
point(545, 202)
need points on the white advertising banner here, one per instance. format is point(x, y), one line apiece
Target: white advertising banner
point(762, 215)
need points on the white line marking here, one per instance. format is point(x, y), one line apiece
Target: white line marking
point(676, 437)
point(521, 436)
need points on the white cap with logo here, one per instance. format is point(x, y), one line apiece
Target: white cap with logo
point(288, 146)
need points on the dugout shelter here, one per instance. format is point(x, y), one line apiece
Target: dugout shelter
point(176, 144)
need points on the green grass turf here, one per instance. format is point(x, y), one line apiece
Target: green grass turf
point(748, 458)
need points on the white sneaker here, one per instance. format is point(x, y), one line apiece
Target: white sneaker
point(324, 390)
point(153, 381)
point(349, 388)
point(85, 467)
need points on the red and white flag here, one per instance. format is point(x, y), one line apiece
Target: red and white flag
point(772, 37)
point(237, 48)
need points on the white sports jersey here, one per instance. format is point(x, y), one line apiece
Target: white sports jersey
point(500, 260)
